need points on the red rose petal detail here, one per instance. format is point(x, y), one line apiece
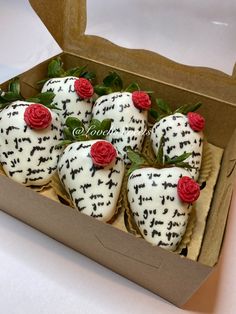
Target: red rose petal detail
point(196, 121)
point(83, 88)
point(141, 100)
point(188, 189)
point(37, 116)
point(102, 153)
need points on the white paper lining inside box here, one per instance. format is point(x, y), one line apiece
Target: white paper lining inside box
point(197, 33)
point(24, 39)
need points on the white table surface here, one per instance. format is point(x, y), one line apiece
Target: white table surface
point(40, 275)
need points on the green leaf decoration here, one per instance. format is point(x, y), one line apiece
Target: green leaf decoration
point(12, 94)
point(73, 123)
point(63, 143)
point(81, 137)
point(132, 88)
point(9, 97)
point(106, 124)
point(97, 129)
point(114, 81)
point(4, 105)
point(101, 90)
point(81, 72)
point(160, 153)
point(67, 134)
point(185, 109)
point(94, 129)
point(135, 157)
point(137, 160)
point(184, 165)
point(77, 71)
point(52, 106)
point(132, 168)
point(163, 106)
point(178, 159)
point(45, 99)
point(154, 113)
point(95, 124)
point(14, 86)
point(89, 76)
point(55, 68)
point(161, 117)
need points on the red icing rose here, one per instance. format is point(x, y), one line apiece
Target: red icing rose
point(196, 121)
point(83, 88)
point(37, 116)
point(102, 153)
point(188, 189)
point(141, 100)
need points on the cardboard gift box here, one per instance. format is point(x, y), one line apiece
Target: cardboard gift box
point(167, 274)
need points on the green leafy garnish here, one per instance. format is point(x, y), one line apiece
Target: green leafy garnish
point(132, 88)
point(45, 99)
point(111, 83)
point(101, 90)
point(12, 94)
point(135, 157)
point(178, 159)
point(14, 86)
point(56, 69)
point(99, 129)
point(75, 130)
point(63, 143)
point(161, 109)
point(73, 123)
point(163, 106)
point(154, 113)
point(113, 80)
point(185, 109)
point(137, 160)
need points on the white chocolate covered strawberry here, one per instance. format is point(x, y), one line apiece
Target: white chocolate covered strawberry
point(92, 173)
point(73, 96)
point(73, 90)
point(29, 135)
point(182, 133)
point(160, 201)
point(128, 112)
point(160, 197)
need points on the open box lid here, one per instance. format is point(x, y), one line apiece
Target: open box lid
point(66, 21)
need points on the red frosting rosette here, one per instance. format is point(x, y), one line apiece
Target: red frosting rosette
point(102, 153)
point(83, 88)
point(196, 121)
point(188, 189)
point(37, 116)
point(141, 100)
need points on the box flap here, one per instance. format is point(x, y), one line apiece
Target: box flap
point(70, 33)
point(186, 32)
point(25, 42)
